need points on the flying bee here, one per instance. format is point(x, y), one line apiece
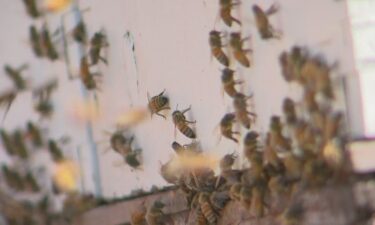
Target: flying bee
point(97, 42)
point(32, 9)
point(48, 46)
point(16, 77)
point(7, 142)
point(265, 29)
point(207, 209)
point(229, 83)
point(225, 12)
point(241, 112)
point(34, 37)
point(236, 43)
point(226, 126)
point(158, 103)
point(35, 134)
point(227, 161)
point(55, 151)
point(277, 140)
point(180, 122)
point(289, 111)
point(216, 48)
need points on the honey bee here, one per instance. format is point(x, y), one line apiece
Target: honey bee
point(55, 151)
point(138, 217)
point(292, 215)
point(235, 190)
point(240, 107)
point(97, 42)
point(236, 43)
point(48, 46)
point(182, 149)
point(225, 12)
point(34, 37)
point(16, 77)
point(79, 32)
point(257, 200)
point(31, 183)
point(216, 48)
point(277, 140)
point(332, 125)
point(273, 163)
point(158, 103)
point(35, 134)
point(32, 9)
point(180, 122)
point(44, 106)
point(133, 158)
point(265, 29)
point(201, 219)
point(229, 83)
point(207, 209)
point(20, 145)
point(121, 144)
point(291, 64)
point(155, 215)
point(245, 197)
point(7, 142)
point(12, 178)
point(250, 143)
point(227, 162)
point(289, 111)
point(226, 125)
point(87, 77)
point(219, 199)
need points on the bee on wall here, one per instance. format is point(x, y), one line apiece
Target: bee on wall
point(7, 142)
point(250, 143)
point(97, 42)
point(35, 38)
point(34, 133)
point(216, 48)
point(30, 183)
point(87, 77)
point(155, 214)
point(207, 209)
point(226, 126)
point(291, 64)
point(236, 43)
point(48, 45)
point(180, 122)
point(227, 78)
point(245, 117)
point(182, 149)
point(44, 105)
point(227, 161)
point(158, 103)
point(32, 8)
point(16, 76)
point(225, 12)
point(6, 99)
point(265, 29)
point(55, 151)
point(79, 32)
point(277, 139)
point(133, 158)
point(20, 145)
point(289, 111)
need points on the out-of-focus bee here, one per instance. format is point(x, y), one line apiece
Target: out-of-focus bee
point(121, 144)
point(97, 42)
point(7, 142)
point(207, 209)
point(250, 143)
point(34, 37)
point(87, 77)
point(292, 215)
point(229, 83)
point(265, 29)
point(44, 106)
point(48, 46)
point(291, 64)
point(20, 145)
point(236, 43)
point(180, 122)
point(138, 216)
point(12, 178)
point(227, 162)
point(216, 48)
point(158, 103)
point(234, 191)
point(309, 101)
point(257, 200)
point(31, 183)
point(32, 9)
point(168, 173)
point(55, 151)
point(332, 126)
point(225, 12)
point(155, 215)
point(240, 107)
point(226, 126)
point(289, 111)
point(273, 164)
point(182, 149)
point(278, 141)
point(35, 134)
point(245, 197)
point(219, 199)
point(7, 99)
point(133, 158)
point(15, 76)
point(79, 32)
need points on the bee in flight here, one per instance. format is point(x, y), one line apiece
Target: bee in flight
point(265, 29)
point(216, 48)
point(236, 43)
point(227, 78)
point(225, 12)
point(158, 103)
point(180, 122)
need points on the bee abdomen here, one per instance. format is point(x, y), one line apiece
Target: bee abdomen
point(220, 56)
point(208, 213)
point(187, 131)
point(241, 58)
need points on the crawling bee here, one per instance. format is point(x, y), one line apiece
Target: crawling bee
point(87, 77)
point(277, 139)
point(79, 32)
point(158, 103)
point(291, 64)
point(289, 111)
point(240, 107)
point(7, 142)
point(44, 105)
point(34, 37)
point(7, 99)
point(55, 151)
point(137, 217)
point(35, 134)
point(250, 143)
point(20, 145)
point(133, 158)
point(181, 149)
point(32, 9)
point(216, 48)
point(227, 161)
point(16, 77)
point(121, 144)
point(31, 183)
point(97, 42)
point(48, 46)
point(180, 122)
point(236, 43)
point(264, 27)
point(225, 12)
point(226, 126)
point(229, 83)
point(207, 209)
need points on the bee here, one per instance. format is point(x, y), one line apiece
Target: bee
point(225, 12)
point(207, 209)
point(240, 107)
point(44, 106)
point(293, 166)
point(35, 134)
point(201, 220)
point(273, 164)
point(257, 200)
point(229, 83)
point(158, 103)
point(289, 111)
point(48, 46)
point(32, 9)
point(155, 214)
point(216, 48)
point(12, 178)
point(55, 151)
point(20, 145)
point(250, 143)
point(226, 126)
point(34, 37)
point(235, 191)
point(133, 158)
point(219, 199)
point(97, 42)
point(79, 32)
point(7, 142)
point(7, 99)
point(277, 140)
point(137, 217)
point(180, 122)
point(332, 125)
point(182, 149)
point(236, 43)
point(31, 183)
point(227, 162)
point(87, 77)
point(15, 76)
point(291, 64)
point(265, 29)
point(293, 214)
point(121, 144)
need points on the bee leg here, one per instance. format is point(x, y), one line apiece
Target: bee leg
point(235, 20)
point(103, 60)
point(252, 114)
point(161, 115)
point(184, 111)
point(192, 122)
point(272, 10)
point(233, 139)
point(238, 82)
point(165, 107)
point(161, 93)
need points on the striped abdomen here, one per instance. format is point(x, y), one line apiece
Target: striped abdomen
point(179, 120)
point(208, 212)
point(241, 57)
point(219, 54)
point(157, 103)
point(230, 89)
